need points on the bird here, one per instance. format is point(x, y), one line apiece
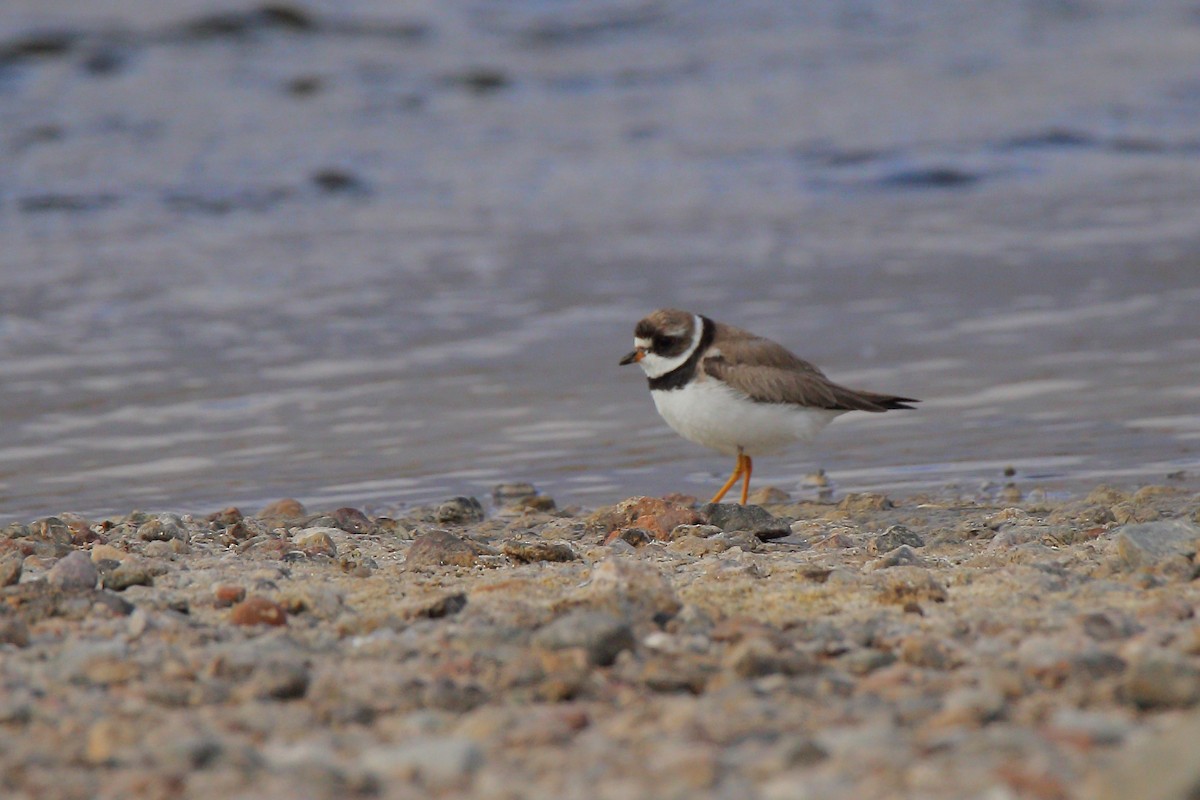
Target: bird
point(736, 392)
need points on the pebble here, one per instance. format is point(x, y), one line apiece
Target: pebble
point(864, 502)
point(656, 516)
point(126, 574)
point(11, 565)
point(351, 520)
point(74, 571)
point(1162, 766)
point(439, 548)
point(752, 519)
point(317, 541)
point(527, 552)
point(893, 537)
point(634, 537)
point(1151, 545)
point(14, 630)
point(459, 511)
point(1162, 679)
point(903, 584)
point(436, 762)
point(287, 509)
point(226, 594)
point(625, 586)
point(504, 494)
point(603, 636)
point(257, 611)
point(897, 557)
point(162, 528)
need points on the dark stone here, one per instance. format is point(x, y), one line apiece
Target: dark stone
point(752, 519)
point(445, 606)
point(894, 537)
point(528, 552)
point(602, 635)
point(459, 511)
point(122, 576)
point(351, 520)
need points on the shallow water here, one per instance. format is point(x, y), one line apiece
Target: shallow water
point(374, 253)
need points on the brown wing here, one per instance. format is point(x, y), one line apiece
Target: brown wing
point(767, 372)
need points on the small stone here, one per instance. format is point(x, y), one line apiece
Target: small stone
point(929, 652)
point(864, 660)
point(459, 511)
point(286, 508)
point(226, 594)
point(1160, 766)
point(899, 557)
point(524, 552)
point(258, 611)
point(698, 531)
point(162, 529)
point(657, 516)
point(1152, 545)
point(623, 586)
point(756, 656)
point(635, 537)
point(105, 552)
point(1163, 679)
point(1104, 626)
point(903, 585)
point(351, 520)
point(317, 541)
point(752, 519)
point(13, 630)
point(278, 680)
point(969, 706)
point(440, 548)
point(894, 537)
point(504, 494)
point(74, 571)
point(864, 502)
point(127, 574)
point(11, 566)
point(225, 517)
point(444, 606)
point(768, 494)
point(436, 762)
point(601, 635)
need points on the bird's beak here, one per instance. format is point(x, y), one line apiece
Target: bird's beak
point(633, 357)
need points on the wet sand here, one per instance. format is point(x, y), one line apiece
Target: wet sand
point(916, 647)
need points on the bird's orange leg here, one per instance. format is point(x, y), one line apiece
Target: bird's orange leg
point(749, 467)
point(737, 473)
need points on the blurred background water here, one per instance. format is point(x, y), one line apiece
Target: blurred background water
point(371, 253)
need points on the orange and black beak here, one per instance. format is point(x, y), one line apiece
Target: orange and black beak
point(633, 357)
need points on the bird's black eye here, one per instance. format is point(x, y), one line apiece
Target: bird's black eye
point(662, 343)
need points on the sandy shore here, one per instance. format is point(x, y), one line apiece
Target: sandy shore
point(868, 648)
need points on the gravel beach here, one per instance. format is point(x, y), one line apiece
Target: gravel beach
point(872, 647)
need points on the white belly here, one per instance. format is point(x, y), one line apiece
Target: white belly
point(709, 413)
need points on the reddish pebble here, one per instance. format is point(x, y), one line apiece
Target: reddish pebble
point(226, 594)
point(258, 611)
point(286, 507)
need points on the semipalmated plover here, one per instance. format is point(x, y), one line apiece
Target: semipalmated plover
point(737, 393)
